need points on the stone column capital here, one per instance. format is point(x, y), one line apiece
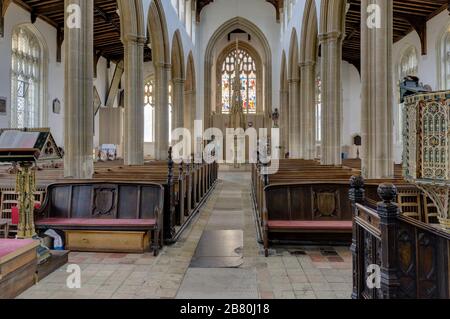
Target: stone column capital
point(132, 38)
point(329, 36)
point(178, 81)
point(307, 64)
point(293, 81)
point(162, 65)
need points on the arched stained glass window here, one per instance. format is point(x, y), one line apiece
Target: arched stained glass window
point(149, 111)
point(247, 73)
point(25, 80)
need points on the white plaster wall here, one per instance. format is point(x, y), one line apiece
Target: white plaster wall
point(351, 114)
point(429, 66)
point(261, 13)
point(55, 88)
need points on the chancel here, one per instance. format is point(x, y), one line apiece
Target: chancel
point(335, 128)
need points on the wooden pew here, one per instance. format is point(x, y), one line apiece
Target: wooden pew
point(412, 257)
point(186, 187)
point(307, 186)
point(105, 216)
point(184, 194)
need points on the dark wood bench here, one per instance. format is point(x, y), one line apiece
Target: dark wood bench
point(105, 216)
point(309, 212)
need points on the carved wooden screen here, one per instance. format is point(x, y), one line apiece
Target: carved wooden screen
point(435, 128)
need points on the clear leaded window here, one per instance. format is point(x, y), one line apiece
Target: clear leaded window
point(149, 111)
point(25, 79)
point(246, 70)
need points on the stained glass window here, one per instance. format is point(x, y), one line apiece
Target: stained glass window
point(25, 79)
point(318, 110)
point(247, 75)
point(149, 112)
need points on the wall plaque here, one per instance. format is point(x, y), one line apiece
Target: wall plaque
point(56, 106)
point(2, 105)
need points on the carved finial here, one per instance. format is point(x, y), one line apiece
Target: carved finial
point(357, 182)
point(170, 165)
point(387, 192)
point(180, 170)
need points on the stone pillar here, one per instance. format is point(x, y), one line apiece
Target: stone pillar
point(377, 92)
point(162, 72)
point(78, 92)
point(294, 119)
point(308, 109)
point(331, 97)
point(284, 121)
point(134, 101)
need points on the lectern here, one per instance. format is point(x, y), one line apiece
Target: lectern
point(24, 149)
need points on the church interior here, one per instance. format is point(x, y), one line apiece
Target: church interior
point(224, 149)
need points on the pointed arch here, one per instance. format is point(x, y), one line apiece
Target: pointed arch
point(160, 46)
point(332, 16)
point(177, 57)
point(158, 34)
point(222, 31)
point(310, 33)
point(293, 65)
point(131, 18)
point(190, 84)
point(190, 96)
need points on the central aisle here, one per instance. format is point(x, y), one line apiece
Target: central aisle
point(197, 268)
point(231, 274)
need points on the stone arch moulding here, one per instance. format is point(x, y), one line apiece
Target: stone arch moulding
point(190, 73)
point(43, 94)
point(259, 76)
point(222, 31)
point(293, 64)
point(177, 58)
point(190, 97)
point(309, 49)
point(158, 34)
point(332, 16)
point(131, 18)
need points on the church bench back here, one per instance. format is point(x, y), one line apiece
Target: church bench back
point(103, 200)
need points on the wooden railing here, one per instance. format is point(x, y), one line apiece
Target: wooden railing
point(409, 259)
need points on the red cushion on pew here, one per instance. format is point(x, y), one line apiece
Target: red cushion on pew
point(96, 222)
point(311, 225)
point(10, 246)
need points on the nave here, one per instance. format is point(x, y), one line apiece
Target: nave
point(290, 272)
